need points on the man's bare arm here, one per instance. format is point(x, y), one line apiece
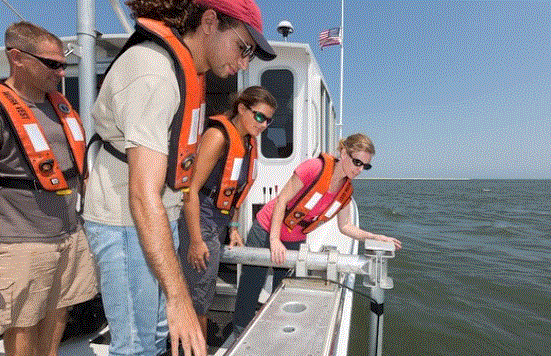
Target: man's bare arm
point(147, 170)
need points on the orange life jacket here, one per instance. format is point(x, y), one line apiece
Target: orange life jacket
point(229, 194)
point(187, 124)
point(296, 212)
point(32, 139)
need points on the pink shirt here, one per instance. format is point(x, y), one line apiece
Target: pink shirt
point(307, 172)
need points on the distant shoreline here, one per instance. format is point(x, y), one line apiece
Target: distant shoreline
point(370, 178)
point(451, 179)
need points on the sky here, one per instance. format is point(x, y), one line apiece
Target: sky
point(445, 89)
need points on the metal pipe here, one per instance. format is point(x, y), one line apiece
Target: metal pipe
point(86, 34)
point(13, 10)
point(376, 322)
point(317, 261)
point(116, 5)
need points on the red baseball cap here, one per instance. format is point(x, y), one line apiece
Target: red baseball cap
point(248, 12)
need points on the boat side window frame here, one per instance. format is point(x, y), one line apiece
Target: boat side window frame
point(278, 140)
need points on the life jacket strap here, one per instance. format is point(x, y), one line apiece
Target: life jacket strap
point(32, 184)
point(108, 147)
point(116, 153)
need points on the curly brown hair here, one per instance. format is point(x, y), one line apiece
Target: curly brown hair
point(183, 15)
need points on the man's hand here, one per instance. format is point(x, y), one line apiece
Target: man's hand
point(146, 183)
point(184, 327)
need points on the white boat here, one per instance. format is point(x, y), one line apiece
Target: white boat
point(307, 315)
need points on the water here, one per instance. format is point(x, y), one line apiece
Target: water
point(474, 274)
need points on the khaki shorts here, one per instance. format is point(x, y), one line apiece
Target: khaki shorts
point(36, 277)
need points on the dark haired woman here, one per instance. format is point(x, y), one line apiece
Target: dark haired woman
point(223, 174)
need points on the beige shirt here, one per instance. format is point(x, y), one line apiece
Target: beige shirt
point(135, 106)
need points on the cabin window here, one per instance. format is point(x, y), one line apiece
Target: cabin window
point(333, 142)
point(71, 89)
point(277, 140)
point(327, 121)
point(219, 92)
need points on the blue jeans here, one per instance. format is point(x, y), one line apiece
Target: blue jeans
point(132, 298)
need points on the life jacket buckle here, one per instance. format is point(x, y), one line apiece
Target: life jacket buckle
point(63, 192)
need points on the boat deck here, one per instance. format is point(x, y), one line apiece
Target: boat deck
point(299, 319)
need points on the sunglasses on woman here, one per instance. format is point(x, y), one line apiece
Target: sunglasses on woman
point(260, 117)
point(50, 63)
point(359, 163)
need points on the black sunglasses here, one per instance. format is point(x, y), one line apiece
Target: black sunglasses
point(247, 50)
point(50, 63)
point(359, 163)
point(260, 117)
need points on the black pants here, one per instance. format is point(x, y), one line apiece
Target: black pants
point(253, 278)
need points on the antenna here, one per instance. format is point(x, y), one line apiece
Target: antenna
point(13, 9)
point(285, 28)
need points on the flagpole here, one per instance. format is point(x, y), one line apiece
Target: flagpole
point(342, 67)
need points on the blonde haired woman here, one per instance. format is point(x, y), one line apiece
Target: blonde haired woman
point(319, 189)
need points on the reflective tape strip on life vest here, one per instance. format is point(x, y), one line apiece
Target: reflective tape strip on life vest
point(32, 139)
point(73, 128)
point(229, 194)
point(342, 198)
point(302, 206)
point(187, 124)
point(310, 197)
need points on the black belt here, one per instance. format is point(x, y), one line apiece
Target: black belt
point(32, 184)
point(210, 193)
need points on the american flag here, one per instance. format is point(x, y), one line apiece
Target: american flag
point(330, 37)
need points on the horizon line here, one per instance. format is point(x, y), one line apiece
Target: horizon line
point(459, 179)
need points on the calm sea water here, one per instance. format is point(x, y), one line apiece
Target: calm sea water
point(474, 274)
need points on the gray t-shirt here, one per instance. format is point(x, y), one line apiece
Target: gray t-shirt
point(36, 215)
point(135, 107)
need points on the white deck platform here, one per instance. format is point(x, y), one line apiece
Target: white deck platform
point(299, 319)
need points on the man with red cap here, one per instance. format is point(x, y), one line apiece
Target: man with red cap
point(148, 115)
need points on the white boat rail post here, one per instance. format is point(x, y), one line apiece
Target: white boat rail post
point(377, 281)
